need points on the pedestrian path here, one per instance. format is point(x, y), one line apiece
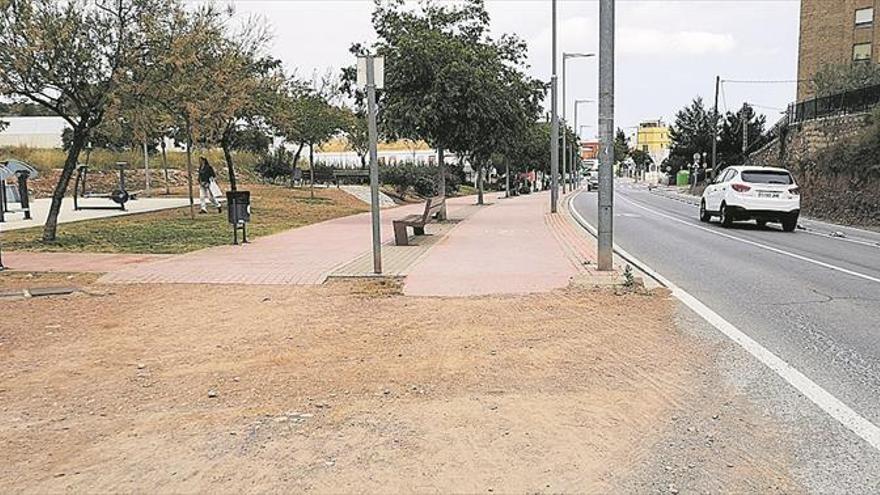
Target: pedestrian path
point(40, 211)
point(397, 260)
point(301, 256)
point(510, 247)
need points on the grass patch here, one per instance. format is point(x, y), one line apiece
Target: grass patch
point(273, 209)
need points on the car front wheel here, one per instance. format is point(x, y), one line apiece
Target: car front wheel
point(704, 215)
point(726, 217)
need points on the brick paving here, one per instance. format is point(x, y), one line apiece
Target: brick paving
point(302, 256)
point(511, 247)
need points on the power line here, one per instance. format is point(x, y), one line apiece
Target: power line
point(769, 81)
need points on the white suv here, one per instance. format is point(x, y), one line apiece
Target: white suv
point(763, 194)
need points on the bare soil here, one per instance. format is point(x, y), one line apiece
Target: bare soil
point(351, 387)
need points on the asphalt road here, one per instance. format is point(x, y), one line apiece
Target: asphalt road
point(810, 298)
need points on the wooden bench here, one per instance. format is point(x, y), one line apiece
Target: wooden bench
point(432, 207)
point(363, 175)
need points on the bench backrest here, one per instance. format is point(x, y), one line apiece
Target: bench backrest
point(432, 207)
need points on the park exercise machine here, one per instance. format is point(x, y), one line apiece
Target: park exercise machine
point(16, 192)
point(119, 195)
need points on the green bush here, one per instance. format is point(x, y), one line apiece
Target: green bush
point(274, 164)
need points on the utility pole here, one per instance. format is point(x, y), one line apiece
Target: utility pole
point(715, 129)
point(374, 162)
point(554, 126)
point(606, 134)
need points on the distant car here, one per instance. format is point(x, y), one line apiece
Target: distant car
point(592, 180)
point(763, 194)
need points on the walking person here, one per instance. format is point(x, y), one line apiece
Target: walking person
point(208, 188)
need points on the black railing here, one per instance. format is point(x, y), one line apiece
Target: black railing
point(857, 100)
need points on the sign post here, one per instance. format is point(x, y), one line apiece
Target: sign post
point(371, 74)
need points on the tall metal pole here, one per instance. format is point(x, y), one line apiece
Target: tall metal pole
point(554, 127)
point(564, 126)
point(374, 165)
point(715, 129)
point(606, 134)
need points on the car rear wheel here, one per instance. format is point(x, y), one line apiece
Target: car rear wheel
point(704, 215)
point(789, 223)
point(726, 217)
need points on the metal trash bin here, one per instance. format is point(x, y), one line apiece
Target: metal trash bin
point(238, 207)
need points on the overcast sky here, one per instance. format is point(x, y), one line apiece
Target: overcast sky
point(667, 51)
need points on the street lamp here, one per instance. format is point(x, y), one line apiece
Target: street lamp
point(565, 57)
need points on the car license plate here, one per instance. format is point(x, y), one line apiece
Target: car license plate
point(767, 194)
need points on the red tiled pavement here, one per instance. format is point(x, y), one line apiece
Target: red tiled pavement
point(296, 257)
point(508, 248)
point(73, 262)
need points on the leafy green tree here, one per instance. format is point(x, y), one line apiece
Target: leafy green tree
point(178, 73)
point(621, 146)
point(71, 58)
point(448, 82)
point(731, 135)
point(690, 134)
point(838, 78)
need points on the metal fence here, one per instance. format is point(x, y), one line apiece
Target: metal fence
point(858, 100)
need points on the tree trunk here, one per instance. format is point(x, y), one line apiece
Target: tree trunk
point(227, 153)
point(480, 184)
point(363, 158)
point(76, 145)
point(189, 173)
point(295, 161)
point(311, 171)
point(165, 168)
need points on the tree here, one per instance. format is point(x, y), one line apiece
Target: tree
point(690, 134)
point(71, 58)
point(177, 73)
point(449, 83)
point(356, 132)
point(621, 146)
point(832, 79)
point(731, 134)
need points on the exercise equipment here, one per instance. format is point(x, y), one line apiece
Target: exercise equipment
point(119, 195)
point(18, 192)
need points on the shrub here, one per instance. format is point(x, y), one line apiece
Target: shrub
point(274, 164)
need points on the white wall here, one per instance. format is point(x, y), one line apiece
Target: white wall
point(33, 132)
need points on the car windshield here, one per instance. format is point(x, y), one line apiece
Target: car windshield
point(767, 177)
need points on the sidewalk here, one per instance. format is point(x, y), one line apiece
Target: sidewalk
point(514, 246)
point(509, 246)
point(302, 256)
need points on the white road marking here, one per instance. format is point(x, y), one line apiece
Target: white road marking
point(833, 406)
point(757, 244)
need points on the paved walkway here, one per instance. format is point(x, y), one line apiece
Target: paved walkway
point(511, 247)
point(302, 256)
point(40, 210)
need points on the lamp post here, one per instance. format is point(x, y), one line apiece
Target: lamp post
point(565, 57)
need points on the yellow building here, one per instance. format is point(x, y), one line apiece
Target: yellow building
point(653, 138)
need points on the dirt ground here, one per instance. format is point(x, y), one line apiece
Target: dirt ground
point(351, 387)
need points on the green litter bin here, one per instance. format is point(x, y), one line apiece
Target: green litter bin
point(682, 178)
